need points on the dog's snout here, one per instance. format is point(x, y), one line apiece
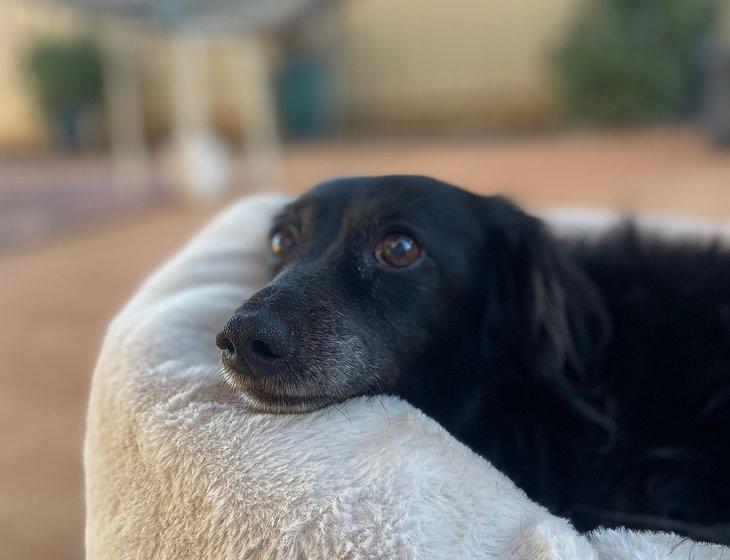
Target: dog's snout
point(256, 342)
point(223, 341)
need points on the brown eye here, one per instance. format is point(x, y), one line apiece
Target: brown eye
point(283, 242)
point(397, 250)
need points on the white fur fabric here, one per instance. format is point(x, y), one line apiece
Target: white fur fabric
point(177, 468)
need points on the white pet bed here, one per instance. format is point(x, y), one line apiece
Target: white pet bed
point(176, 467)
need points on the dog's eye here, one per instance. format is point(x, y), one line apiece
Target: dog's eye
point(283, 241)
point(397, 250)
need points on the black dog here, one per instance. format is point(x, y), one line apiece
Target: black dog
point(596, 375)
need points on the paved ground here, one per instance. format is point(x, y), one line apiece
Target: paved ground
point(41, 197)
point(56, 295)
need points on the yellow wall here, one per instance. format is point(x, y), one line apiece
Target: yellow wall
point(450, 62)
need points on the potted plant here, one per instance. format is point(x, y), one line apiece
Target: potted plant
point(66, 75)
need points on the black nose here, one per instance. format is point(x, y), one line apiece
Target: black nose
point(256, 342)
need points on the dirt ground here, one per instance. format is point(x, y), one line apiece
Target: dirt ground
point(57, 294)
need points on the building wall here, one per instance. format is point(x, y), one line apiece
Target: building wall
point(464, 62)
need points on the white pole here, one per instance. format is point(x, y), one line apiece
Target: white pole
point(201, 157)
point(126, 121)
point(252, 85)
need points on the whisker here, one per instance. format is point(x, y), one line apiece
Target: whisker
point(340, 411)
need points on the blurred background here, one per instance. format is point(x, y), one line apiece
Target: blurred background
point(126, 124)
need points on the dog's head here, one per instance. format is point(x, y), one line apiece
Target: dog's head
point(388, 283)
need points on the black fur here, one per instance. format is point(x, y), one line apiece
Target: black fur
point(595, 374)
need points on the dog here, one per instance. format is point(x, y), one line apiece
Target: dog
point(594, 373)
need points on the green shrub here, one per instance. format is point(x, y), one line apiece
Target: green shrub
point(66, 74)
point(631, 60)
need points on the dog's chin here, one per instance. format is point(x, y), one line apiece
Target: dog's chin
point(275, 396)
point(280, 405)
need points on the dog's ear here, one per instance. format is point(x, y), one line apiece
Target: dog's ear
point(541, 309)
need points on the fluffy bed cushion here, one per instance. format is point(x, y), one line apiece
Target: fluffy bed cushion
point(176, 467)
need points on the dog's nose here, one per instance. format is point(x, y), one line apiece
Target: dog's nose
point(256, 342)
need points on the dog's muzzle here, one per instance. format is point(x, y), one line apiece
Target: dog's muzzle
point(257, 343)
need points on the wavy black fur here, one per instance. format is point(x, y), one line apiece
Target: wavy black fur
point(639, 434)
